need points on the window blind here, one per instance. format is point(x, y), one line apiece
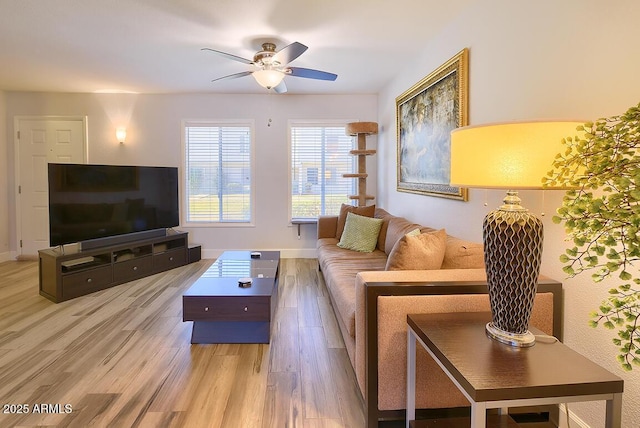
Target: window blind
point(218, 173)
point(319, 157)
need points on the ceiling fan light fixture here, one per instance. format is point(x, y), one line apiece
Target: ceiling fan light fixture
point(268, 78)
point(271, 66)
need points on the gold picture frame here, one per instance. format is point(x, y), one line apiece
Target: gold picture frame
point(425, 116)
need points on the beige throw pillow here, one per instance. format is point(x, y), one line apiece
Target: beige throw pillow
point(418, 252)
point(368, 211)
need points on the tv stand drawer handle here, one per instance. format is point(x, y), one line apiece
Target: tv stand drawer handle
point(135, 268)
point(246, 309)
point(206, 309)
point(89, 279)
point(171, 258)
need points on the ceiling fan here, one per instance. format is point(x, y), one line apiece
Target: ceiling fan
point(272, 67)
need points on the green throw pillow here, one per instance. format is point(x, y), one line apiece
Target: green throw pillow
point(360, 233)
point(414, 232)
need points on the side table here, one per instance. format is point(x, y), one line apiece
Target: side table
point(496, 376)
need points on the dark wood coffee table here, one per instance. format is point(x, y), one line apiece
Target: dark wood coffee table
point(224, 312)
point(493, 375)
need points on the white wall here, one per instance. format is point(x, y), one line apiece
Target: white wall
point(153, 138)
point(4, 177)
point(573, 59)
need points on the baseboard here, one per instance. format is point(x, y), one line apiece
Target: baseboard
point(574, 420)
point(293, 253)
point(299, 253)
point(6, 256)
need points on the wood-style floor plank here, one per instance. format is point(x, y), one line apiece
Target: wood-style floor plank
point(346, 387)
point(123, 357)
point(285, 345)
point(247, 396)
point(329, 323)
point(283, 401)
point(318, 389)
point(287, 296)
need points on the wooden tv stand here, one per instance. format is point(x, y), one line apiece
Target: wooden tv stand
point(69, 273)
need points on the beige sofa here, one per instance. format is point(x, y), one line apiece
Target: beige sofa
point(371, 305)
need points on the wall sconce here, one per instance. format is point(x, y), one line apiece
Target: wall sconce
point(121, 134)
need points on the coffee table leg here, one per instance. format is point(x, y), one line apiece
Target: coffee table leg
point(411, 376)
point(478, 415)
point(614, 412)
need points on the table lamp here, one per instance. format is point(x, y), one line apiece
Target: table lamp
point(509, 156)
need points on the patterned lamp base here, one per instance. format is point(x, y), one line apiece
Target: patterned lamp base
point(513, 252)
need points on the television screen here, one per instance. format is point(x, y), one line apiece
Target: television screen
point(97, 201)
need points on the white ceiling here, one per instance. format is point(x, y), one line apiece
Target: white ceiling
point(154, 46)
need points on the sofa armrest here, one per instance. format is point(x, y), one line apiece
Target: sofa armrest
point(384, 297)
point(327, 226)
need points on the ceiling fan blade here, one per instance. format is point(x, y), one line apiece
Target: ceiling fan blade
point(310, 73)
point(289, 53)
point(281, 88)
point(233, 76)
point(230, 56)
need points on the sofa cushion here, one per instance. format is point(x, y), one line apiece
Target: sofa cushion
point(385, 216)
point(368, 211)
point(360, 233)
point(339, 275)
point(462, 254)
point(326, 242)
point(327, 226)
point(398, 227)
point(418, 251)
point(329, 254)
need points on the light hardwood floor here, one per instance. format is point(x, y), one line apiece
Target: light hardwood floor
point(122, 358)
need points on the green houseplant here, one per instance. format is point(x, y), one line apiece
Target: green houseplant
point(601, 214)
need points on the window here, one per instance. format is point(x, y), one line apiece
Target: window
point(218, 172)
point(319, 157)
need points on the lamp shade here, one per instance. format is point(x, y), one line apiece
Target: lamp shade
point(514, 155)
point(268, 78)
point(121, 135)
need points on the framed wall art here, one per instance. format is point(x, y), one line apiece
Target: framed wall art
point(425, 116)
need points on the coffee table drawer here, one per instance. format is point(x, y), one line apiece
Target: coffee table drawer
point(226, 308)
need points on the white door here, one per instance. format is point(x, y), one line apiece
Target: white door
point(40, 141)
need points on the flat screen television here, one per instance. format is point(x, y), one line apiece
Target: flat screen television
point(93, 202)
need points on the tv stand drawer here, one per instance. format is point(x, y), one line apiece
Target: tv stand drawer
point(169, 259)
point(86, 281)
point(129, 270)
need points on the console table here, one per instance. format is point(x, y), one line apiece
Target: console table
point(492, 375)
